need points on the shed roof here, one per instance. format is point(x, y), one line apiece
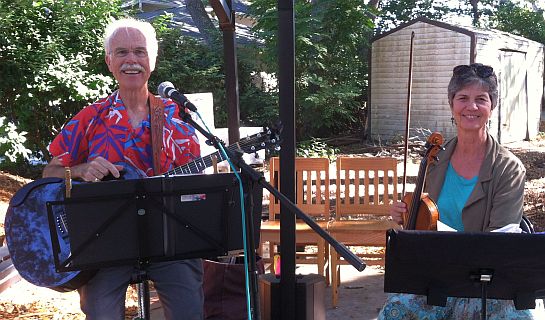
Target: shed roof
point(468, 30)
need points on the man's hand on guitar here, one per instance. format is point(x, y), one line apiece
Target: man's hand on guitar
point(94, 170)
point(97, 169)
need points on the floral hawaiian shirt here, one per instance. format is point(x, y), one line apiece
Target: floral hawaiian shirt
point(103, 129)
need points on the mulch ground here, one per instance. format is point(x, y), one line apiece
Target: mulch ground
point(534, 193)
point(9, 184)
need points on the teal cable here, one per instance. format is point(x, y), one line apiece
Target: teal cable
point(242, 210)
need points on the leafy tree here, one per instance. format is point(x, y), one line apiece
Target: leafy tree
point(191, 66)
point(258, 105)
point(521, 21)
point(478, 10)
point(207, 61)
point(392, 13)
point(520, 17)
point(49, 58)
point(52, 65)
point(331, 61)
point(12, 142)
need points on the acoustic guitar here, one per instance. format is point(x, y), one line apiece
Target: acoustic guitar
point(27, 226)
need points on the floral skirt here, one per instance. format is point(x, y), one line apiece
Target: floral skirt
point(414, 307)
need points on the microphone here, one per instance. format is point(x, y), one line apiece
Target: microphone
point(166, 90)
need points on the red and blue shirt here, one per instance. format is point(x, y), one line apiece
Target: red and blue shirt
point(103, 129)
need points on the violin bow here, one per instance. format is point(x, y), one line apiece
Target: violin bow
point(408, 116)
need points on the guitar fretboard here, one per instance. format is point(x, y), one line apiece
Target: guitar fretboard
point(198, 165)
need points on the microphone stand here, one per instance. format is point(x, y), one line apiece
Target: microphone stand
point(255, 176)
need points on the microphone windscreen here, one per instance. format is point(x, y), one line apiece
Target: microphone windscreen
point(163, 89)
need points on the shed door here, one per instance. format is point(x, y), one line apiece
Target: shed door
point(513, 117)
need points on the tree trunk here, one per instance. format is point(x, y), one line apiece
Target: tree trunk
point(202, 21)
point(374, 3)
point(475, 11)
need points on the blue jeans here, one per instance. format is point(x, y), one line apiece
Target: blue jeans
point(178, 284)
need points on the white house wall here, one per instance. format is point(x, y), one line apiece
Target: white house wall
point(433, 61)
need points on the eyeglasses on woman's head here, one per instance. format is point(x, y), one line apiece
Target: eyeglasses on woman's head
point(479, 69)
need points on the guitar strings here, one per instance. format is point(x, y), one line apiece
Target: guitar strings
point(193, 166)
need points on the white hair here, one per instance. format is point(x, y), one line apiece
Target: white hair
point(130, 23)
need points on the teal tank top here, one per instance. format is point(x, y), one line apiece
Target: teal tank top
point(453, 197)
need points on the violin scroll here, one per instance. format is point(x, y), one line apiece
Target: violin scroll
point(433, 146)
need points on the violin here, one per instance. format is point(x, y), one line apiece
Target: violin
point(423, 213)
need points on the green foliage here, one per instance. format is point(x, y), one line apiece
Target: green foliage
point(257, 108)
point(12, 145)
point(49, 58)
point(395, 12)
point(524, 18)
point(521, 21)
point(331, 43)
point(258, 105)
point(52, 65)
point(191, 66)
point(316, 148)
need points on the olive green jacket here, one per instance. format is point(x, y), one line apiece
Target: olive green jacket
point(498, 196)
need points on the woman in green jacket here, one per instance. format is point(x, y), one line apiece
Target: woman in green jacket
point(477, 184)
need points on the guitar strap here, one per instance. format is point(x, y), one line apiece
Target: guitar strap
point(157, 121)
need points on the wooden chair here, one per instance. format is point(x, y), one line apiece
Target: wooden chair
point(365, 189)
point(312, 197)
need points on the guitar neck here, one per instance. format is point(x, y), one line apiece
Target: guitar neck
point(198, 165)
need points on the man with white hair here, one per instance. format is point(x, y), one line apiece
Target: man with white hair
point(116, 130)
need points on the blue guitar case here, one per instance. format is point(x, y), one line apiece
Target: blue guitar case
point(29, 238)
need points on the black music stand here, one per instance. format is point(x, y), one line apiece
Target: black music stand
point(508, 266)
point(140, 221)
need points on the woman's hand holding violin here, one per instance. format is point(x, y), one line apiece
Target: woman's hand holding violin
point(397, 210)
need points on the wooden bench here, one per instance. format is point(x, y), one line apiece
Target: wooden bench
point(312, 194)
point(366, 187)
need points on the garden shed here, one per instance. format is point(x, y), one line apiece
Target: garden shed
point(437, 48)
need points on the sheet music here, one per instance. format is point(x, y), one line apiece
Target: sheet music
point(510, 228)
point(444, 227)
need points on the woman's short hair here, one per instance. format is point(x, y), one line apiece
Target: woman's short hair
point(475, 73)
point(130, 23)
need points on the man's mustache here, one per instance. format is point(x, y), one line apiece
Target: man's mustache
point(132, 67)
